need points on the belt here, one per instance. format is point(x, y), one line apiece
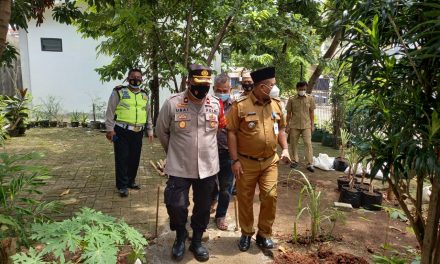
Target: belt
point(130, 127)
point(256, 159)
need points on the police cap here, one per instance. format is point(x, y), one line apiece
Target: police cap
point(200, 74)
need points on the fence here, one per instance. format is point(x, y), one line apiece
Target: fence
point(10, 79)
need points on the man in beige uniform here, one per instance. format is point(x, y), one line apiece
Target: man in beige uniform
point(300, 121)
point(255, 126)
point(246, 83)
point(187, 129)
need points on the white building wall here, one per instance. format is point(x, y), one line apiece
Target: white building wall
point(68, 75)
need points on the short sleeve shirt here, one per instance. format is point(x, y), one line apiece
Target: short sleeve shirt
point(299, 108)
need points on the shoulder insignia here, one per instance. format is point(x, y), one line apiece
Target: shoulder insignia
point(119, 87)
point(276, 99)
point(241, 98)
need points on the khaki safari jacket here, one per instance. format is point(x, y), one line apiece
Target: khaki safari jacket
point(257, 125)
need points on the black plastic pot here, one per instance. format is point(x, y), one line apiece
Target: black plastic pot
point(343, 180)
point(352, 197)
point(317, 135)
point(44, 123)
point(21, 130)
point(53, 123)
point(340, 164)
point(74, 124)
point(83, 124)
point(328, 140)
point(370, 201)
point(13, 132)
point(362, 186)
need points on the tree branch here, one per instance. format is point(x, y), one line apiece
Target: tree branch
point(187, 43)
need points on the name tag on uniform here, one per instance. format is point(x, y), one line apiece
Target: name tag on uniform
point(275, 128)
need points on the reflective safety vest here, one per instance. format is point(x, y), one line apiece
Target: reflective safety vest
point(132, 107)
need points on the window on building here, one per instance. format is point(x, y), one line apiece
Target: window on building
point(51, 44)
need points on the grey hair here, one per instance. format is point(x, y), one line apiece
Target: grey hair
point(221, 79)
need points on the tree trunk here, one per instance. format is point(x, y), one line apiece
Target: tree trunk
point(187, 39)
point(330, 52)
point(5, 16)
point(219, 39)
point(419, 229)
point(429, 249)
point(155, 86)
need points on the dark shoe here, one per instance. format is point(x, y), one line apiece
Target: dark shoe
point(311, 168)
point(294, 165)
point(123, 192)
point(179, 245)
point(199, 251)
point(245, 243)
point(265, 243)
point(234, 190)
point(135, 186)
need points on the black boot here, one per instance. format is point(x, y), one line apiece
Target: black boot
point(179, 244)
point(199, 251)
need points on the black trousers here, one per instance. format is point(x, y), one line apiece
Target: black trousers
point(128, 146)
point(177, 202)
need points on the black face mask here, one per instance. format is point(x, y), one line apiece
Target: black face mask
point(199, 91)
point(135, 82)
point(247, 86)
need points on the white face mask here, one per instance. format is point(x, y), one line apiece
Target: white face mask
point(274, 92)
point(301, 93)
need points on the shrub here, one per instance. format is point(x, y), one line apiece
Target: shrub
point(96, 237)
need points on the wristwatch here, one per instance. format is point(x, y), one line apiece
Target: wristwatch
point(234, 161)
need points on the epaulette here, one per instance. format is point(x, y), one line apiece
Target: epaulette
point(174, 95)
point(241, 98)
point(119, 87)
point(215, 97)
point(276, 99)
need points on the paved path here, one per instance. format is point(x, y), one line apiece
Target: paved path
point(81, 162)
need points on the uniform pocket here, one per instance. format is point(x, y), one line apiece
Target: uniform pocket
point(250, 124)
point(182, 122)
point(211, 122)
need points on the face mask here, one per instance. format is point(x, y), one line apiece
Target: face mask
point(135, 83)
point(222, 96)
point(275, 92)
point(266, 95)
point(199, 91)
point(301, 93)
point(247, 86)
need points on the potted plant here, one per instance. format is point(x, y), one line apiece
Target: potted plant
point(353, 157)
point(341, 163)
point(74, 119)
point(350, 194)
point(16, 111)
point(84, 117)
point(371, 199)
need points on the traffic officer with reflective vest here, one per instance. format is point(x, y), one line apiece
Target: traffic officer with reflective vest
point(187, 129)
point(255, 125)
point(128, 115)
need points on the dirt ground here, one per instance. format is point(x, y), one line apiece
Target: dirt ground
point(81, 161)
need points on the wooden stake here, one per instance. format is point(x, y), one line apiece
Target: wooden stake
point(236, 213)
point(157, 209)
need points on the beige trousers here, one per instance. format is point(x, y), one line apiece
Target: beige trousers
point(264, 173)
point(307, 138)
